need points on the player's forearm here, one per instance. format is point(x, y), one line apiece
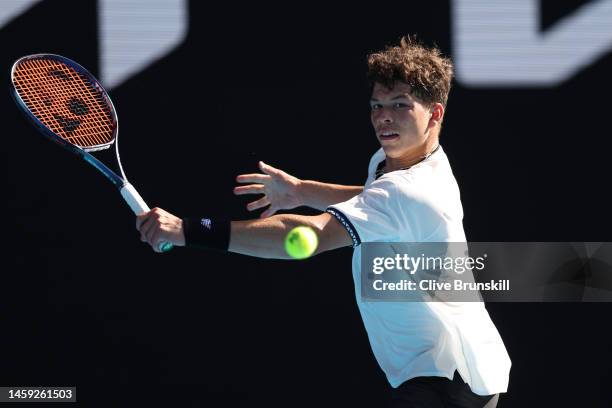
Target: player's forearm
point(319, 195)
point(265, 238)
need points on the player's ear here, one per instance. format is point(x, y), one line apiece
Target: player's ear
point(436, 114)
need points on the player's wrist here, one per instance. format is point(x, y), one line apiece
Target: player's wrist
point(206, 233)
point(310, 193)
point(180, 232)
point(299, 187)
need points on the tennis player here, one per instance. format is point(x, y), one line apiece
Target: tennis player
point(433, 355)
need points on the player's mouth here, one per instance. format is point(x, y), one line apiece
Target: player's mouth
point(388, 136)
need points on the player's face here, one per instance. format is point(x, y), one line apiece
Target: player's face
point(402, 123)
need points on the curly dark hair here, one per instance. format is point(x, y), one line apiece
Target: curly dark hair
point(426, 70)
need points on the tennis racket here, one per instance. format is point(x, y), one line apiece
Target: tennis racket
point(70, 107)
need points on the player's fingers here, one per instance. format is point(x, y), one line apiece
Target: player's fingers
point(146, 233)
point(140, 219)
point(250, 189)
point(266, 168)
point(145, 229)
point(262, 202)
point(268, 213)
point(252, 178)
point(151, 233)
point(156, 239)
point(141, 225)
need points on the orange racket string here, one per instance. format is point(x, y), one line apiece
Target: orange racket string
point(65, 101)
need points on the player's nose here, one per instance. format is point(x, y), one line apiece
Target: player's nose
point(383, 116)
point(385, 119)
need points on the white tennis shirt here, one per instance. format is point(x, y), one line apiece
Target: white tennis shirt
point(414, 339)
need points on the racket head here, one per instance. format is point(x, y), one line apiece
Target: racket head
point(65, 101)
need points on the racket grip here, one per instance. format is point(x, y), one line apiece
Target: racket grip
point(138, 205)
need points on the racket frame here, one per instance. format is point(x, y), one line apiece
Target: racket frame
point(78, 150)
point(128, 192)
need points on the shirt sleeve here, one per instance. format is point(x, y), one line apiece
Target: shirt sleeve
point(372, 215)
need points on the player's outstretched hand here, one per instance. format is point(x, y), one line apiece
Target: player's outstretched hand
point(279, 188)
point(157, 226)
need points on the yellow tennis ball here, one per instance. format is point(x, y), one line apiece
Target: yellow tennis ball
point(301, 242)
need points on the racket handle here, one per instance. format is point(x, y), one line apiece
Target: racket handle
point(138, 205)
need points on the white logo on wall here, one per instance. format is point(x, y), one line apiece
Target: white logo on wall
point(495, 43)
point(133, 33)
point(499, 43)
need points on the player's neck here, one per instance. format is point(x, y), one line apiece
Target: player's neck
point(411, 158)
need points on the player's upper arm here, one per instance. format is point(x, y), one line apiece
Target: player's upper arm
point(331, 233)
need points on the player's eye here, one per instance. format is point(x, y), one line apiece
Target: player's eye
point(376, 106)
point(400, 105)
